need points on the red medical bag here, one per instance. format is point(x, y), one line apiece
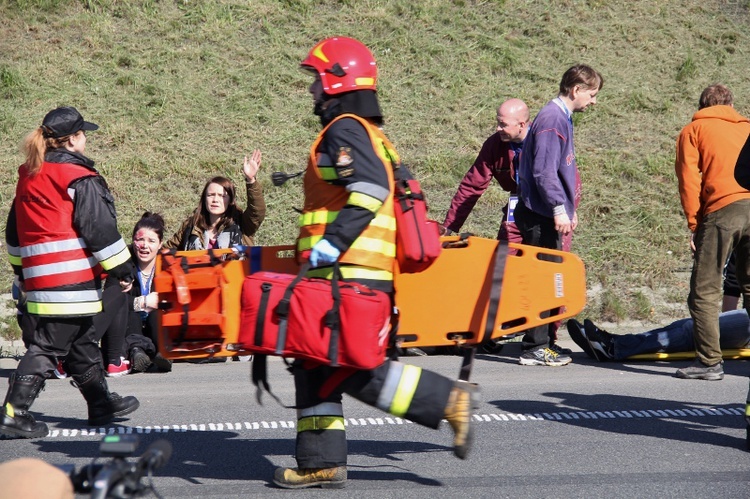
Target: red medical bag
point(330, 322)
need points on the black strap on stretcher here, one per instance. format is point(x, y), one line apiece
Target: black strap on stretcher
point(496, 288)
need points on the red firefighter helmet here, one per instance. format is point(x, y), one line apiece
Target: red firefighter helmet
point(344, 64)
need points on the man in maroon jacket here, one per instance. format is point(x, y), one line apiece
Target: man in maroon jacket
point(498, 158)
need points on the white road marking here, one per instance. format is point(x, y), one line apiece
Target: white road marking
point(492, 418)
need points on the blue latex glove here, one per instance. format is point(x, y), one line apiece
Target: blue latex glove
point(323, 253)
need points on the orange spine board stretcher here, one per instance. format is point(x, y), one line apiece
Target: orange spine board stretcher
point(448, 302)
point(443, 305)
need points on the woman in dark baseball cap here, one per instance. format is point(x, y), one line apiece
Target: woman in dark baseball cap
point(63, 131)
point(61, 234)
point(65, 121)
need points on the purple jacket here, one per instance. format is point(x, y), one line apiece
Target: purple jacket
point(548, 172)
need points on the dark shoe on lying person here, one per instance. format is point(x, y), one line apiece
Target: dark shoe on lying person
point(161, 364)
point(139, 360)
point(577, 334)
point(600, 340)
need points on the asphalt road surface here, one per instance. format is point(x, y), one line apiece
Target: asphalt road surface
point(585, 430)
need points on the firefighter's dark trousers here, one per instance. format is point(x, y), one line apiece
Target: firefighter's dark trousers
point(403, 390)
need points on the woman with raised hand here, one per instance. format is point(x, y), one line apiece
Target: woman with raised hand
point(218, 222)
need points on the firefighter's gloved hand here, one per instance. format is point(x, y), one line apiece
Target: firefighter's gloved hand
point(323, 253)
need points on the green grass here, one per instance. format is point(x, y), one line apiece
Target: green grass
point(183, 89)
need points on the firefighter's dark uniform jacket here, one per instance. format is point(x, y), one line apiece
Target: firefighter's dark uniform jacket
point(62, 233)
point(348, 201)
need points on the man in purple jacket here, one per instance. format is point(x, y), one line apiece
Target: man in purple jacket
point(548, 184)
point(498, 158)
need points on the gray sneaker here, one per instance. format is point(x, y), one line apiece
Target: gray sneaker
point(543, 357)
point(701, 371)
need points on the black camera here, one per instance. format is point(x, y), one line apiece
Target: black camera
point(120, 478)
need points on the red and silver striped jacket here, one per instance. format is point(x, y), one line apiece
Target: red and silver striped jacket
point(62, 233)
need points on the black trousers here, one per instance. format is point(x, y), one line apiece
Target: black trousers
point(50, 337)
point(112, 323)
point(400, 389)
point(537, 230)
point(142, 334)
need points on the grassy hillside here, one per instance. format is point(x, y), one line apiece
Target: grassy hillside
point(183, 89)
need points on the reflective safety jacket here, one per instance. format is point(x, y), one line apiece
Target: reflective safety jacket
point(357, 180)
point(61, 234)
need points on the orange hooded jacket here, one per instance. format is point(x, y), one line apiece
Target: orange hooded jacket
point(707, 152)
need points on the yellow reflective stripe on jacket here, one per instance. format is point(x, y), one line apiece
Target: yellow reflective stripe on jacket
point(361, 243)
point(747, 410)
point(317, 217)
point(353, 273)
point(64, 309)
point(327, 217)
point(14, 255)
point(321, 423)
point(364, 201)
point(113, 255)
point(328, 173)
point(377, 245)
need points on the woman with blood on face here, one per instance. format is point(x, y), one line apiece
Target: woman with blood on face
point(141, 340)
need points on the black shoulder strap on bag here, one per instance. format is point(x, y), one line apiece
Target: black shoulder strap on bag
point(259, 377)
point(496, 289)
point(393, 342)
point(333, 317)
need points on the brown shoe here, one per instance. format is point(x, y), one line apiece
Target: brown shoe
point(302, 478)
point(463, 401)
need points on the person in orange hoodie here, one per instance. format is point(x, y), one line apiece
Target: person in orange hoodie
point(718, 215)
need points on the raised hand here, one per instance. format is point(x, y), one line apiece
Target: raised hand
point(251, 166)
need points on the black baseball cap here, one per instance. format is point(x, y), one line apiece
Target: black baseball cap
point(65, 121)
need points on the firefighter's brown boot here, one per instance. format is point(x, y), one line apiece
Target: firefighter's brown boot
point(301, 478)
point(463, 401)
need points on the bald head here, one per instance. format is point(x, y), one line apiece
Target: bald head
point(513, 120)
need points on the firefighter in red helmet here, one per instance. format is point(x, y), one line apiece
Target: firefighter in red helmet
point(348, 218)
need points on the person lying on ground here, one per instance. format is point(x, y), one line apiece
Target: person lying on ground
point(675, 337)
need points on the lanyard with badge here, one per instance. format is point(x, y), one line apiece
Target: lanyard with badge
point(145, 288)
point(513, 198)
